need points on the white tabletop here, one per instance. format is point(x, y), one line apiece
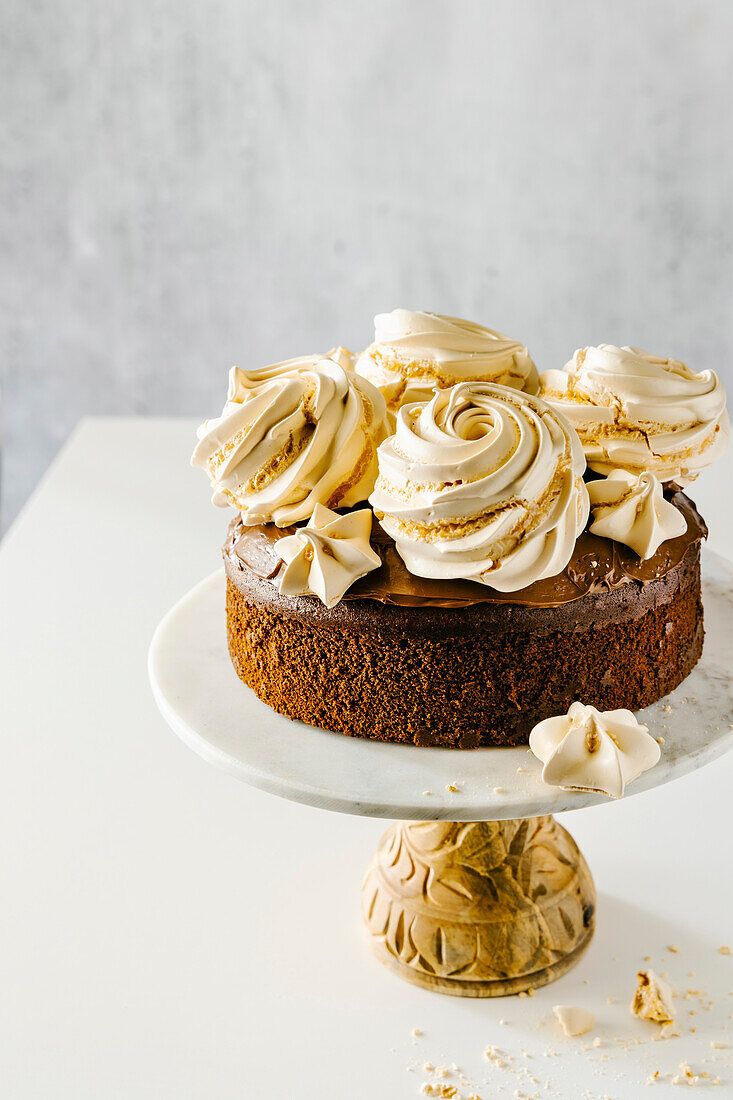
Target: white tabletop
point(169, 932)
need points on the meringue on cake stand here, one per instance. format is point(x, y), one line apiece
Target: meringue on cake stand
point(476, 891)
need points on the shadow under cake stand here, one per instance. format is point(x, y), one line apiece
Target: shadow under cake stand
point(476, 890)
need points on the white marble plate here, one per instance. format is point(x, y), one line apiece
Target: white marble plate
point(209, 707)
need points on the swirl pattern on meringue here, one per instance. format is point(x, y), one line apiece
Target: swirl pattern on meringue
point(482, 483)
point(293, 435)
point(639, 412)
point(414, 353)
point(631, 509)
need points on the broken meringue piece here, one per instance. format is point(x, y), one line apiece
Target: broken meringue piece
point(653, 999)
point(574, 1021)
point(590, 750)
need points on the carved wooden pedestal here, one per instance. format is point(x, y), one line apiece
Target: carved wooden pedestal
point(482, 909)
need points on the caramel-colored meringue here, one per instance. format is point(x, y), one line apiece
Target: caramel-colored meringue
point(589, 750)
point(293, 435)
point(414, 353)
point(639, 412)
point(328, 555)
point(482, 483)
point(653, 999)
point(631, 509)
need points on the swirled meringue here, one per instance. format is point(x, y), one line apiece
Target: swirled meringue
point(415, 353)
point(631, 509)
point(639, 412)
point(483, 483)
point(589, 750)
point(293, 435)
point(328, 555)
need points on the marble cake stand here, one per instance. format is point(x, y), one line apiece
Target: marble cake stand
point(476, 890)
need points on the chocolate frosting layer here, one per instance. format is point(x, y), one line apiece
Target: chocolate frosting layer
point(598, 565)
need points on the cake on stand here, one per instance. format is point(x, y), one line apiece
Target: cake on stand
point(475, 890)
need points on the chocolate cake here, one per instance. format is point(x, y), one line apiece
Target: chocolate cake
point(455, 664)
point(436, 546)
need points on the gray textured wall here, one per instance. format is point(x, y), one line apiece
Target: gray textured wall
point(193, 183)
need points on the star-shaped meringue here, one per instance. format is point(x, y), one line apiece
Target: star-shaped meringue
point(590, 750)
point(631, 509)
point(328, 555)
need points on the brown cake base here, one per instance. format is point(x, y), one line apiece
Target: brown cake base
point(462, 676)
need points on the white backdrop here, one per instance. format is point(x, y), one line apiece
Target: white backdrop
point(193, 183)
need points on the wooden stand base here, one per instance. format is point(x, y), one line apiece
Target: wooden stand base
point(483, 909)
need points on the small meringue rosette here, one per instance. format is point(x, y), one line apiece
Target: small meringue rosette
point(482, 483)
point(590, 750)
point(293, 435)
point(640, 412)
point(630, 508)
point(328, 555)
point(414, 353)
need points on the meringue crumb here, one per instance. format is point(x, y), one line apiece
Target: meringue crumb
point(685, 1076)
point(521, 771)
point(574, 1021)
point(493, 1055)
point(673, 948)
point(427, 792)
point(503, 1022)
point(428, 1067)
point(416, 1032)
point(724, 950)
point(499, 790)
point(715, 1044)
point(659, 740)
point(451, 787)
point(598, 1042)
